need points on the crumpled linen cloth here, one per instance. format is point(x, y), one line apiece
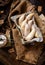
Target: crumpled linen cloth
point(28, 53)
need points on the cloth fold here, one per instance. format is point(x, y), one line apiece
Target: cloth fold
point(28, 53)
